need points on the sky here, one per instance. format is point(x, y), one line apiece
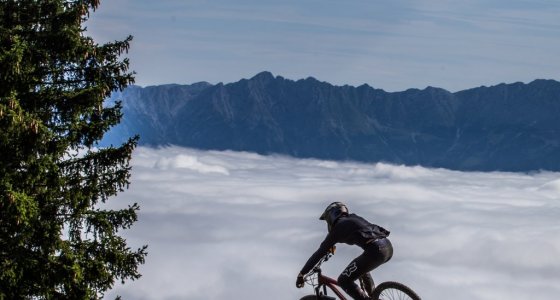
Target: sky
point(392, 45)
point(235, 225)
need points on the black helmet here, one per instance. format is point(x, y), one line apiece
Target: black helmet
point(334, 211)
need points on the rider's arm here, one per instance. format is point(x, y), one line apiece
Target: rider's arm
point(324, 248)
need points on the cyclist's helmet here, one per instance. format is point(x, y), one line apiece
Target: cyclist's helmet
point(333, 212)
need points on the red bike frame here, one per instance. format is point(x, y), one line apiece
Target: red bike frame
point(320, 283)
point(325, 281)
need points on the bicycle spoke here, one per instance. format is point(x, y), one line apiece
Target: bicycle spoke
point(394, 291)
point(394, 294)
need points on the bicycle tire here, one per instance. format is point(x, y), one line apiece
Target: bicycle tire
point(313, 297)
point(391, 290)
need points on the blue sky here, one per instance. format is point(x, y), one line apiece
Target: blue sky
point(392, 45)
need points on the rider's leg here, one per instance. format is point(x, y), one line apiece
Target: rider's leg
point(362, 264)
point(374, 255)
point(367, 282)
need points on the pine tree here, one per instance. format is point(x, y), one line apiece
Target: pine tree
point(57, 241)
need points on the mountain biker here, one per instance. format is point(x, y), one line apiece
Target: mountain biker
point(353, 230)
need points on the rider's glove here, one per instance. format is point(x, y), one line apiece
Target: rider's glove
point(300, 282)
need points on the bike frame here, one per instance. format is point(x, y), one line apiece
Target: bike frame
point(321, 282)
point(324, 282)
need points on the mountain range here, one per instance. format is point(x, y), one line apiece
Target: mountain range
point(506, 127)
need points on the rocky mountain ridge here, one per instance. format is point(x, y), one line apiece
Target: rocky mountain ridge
point(507, 127)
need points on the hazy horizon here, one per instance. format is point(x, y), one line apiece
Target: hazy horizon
point(390, 45)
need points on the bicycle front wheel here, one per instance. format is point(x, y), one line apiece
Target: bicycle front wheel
point(394, 291)
point(309, 297)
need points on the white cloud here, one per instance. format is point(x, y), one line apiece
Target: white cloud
point(223, 225)
point(188, 162)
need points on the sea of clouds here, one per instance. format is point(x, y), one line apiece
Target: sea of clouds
point(230, 225)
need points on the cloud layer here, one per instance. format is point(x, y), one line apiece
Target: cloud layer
point(223, 225)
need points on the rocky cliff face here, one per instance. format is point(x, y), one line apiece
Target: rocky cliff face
point(509, 127)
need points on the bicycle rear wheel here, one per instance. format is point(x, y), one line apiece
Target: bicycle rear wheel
point(394, 291)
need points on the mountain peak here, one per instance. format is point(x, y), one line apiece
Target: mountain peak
point(263, 76)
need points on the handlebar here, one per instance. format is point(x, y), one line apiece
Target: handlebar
point(312, 278)
point(317, 267)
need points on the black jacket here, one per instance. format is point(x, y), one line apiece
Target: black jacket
point(351, 230)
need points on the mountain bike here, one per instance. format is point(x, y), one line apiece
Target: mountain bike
point(388, 290)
